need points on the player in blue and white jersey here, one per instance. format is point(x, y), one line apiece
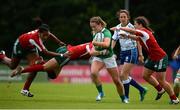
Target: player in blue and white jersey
point(130, 53)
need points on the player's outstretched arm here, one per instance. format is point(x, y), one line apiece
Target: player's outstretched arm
point(130, 30)
point(56, 40)
point(177, 52)
point(104, 44)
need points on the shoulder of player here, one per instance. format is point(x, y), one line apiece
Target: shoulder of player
point(105, 30)
point(107, 33)
point(144, 32)
point(31, 33)
point(129, 25)
point(118, 26)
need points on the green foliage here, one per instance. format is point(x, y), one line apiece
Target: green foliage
point(163, 17)
point(69, 19)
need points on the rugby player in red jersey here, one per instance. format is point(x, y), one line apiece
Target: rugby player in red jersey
point(157, 60)
point(27, 46)
point(55, 64)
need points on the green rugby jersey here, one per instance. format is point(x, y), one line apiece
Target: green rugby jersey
point(105, 33)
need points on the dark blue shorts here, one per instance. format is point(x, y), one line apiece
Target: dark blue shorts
point(129, 56)
point(175, 64)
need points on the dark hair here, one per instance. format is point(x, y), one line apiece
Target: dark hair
point(43, 27)
point(123, 11)
point(37, 21)
point(144, 21)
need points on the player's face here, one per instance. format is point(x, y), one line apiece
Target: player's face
point(44, 35)
point(123, 18)
point(136, 25)
point(95, 27)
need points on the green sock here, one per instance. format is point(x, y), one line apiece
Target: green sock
point(122, 97)
point(99, 88)
point(177, 95)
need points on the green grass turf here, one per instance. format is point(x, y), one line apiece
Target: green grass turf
point(76, 96)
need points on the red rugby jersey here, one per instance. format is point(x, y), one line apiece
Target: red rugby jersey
point(149, 43)
point(31, 40)
point(79, 50)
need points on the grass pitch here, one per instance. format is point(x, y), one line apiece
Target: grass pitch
point(76, 96)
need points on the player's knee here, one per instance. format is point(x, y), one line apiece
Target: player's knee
point(145, 76)
point(13, 66)
point(94, 75)
point(121, 77)
point(52, 75)
point(176, 82)
point(39, 60)
point(124, 76)
point(161, 81)
point(116, 81)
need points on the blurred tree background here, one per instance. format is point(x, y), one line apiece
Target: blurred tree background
point(69, 19)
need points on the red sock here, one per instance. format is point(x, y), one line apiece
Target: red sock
point(29, 81)
point(173, 97)
point(33, 68)
point(158, 88)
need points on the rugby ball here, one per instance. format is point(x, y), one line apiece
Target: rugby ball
point(99, 37)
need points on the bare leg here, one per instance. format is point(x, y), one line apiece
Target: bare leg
point(116, 79)
point(11, 63)
point(32, 57)
point(96, 66)
point(125, 71)
point(147, 75)
point(161, 79)
point(177, 84)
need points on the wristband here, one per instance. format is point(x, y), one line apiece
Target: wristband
point(61, 55)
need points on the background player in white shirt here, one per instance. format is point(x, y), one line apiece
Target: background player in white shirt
point(130, 53)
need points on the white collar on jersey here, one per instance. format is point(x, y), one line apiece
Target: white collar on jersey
point(102, 29)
